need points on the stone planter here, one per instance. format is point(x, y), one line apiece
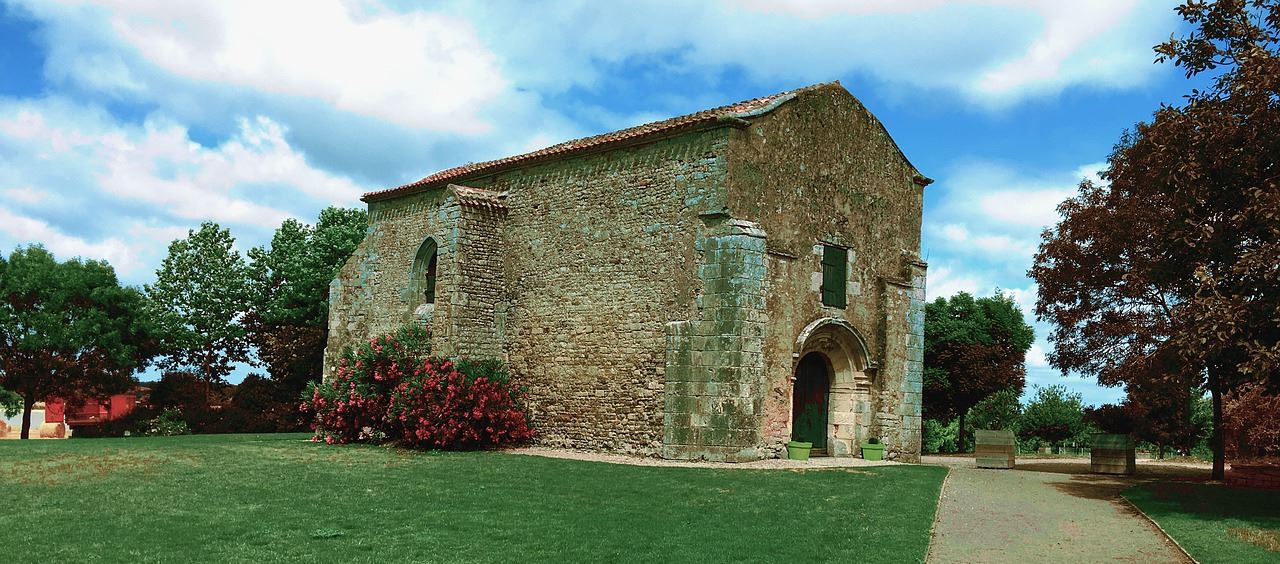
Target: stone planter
point(1112, 454)
point(993, 448)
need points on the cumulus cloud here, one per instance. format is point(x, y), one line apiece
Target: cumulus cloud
point(26, 230)
point(986, 218)
point(413, 89)
point(994, 52)
point(24, 195)
point(79, 180)
point(421, 69)
point(945, 280)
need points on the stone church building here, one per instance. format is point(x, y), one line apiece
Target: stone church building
point(709, 286)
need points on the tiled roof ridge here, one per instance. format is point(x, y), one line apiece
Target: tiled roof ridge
point(738, 110)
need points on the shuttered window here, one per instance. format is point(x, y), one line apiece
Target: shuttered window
point(834, 274)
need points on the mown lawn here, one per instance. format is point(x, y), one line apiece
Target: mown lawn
point(1215, 523)
point(278, 497)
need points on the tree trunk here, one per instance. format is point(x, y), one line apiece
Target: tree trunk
point(28, 403)
point(1189, 433)
point(1215, 441)
point(960, 435)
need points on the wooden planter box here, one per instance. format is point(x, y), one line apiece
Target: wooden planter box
point(993, 449)
point(1254, 476)
point(1112, 454)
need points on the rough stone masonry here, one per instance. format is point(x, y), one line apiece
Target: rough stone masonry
point(705, 287)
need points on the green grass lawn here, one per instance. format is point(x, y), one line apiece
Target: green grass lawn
point(1213, 522)
point(278, 497)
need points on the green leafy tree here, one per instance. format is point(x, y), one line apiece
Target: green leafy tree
point(10, 403)
point(973, 348)
point(68, 329)
point(1053, 415)
point(201, 297)
point(1000, 410)
point(290, 288)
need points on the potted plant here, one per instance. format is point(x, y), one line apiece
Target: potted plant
point(873, 449)
point(798, 450)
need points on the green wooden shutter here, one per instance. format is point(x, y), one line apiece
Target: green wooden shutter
point(834, 274)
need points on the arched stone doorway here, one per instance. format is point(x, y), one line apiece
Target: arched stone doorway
point(421, 289)
point(844, 361)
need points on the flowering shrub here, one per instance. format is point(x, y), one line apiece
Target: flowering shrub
point(441, 407)
point(391, 389)
point(169, 423)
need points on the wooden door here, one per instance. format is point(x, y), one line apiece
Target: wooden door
point(809, 405)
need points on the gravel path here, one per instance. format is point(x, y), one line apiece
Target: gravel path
point(775, 463)
point(1046, 510)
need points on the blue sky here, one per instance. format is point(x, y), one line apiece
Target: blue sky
point(123, 124)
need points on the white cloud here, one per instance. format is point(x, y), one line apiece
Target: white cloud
point(1036, 357)
point(1007, 196)
point(27, 230)
point(157, 163)
point(994, 52)
point(453, 66)
point(1074, 48)
point(944, 281)
point(419, 69)
point(959, 238)
point(149, 181)
point(955, 233)
point(25, 195)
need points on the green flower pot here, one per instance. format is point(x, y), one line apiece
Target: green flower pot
point(798, 450)
point(872, 452)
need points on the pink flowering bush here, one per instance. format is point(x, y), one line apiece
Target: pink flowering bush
point(390, 388)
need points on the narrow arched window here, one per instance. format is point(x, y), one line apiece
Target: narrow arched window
point(424, 271)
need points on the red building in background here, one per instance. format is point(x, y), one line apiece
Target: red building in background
point(91, 412)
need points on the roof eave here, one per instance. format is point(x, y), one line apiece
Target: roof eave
point(716, 122)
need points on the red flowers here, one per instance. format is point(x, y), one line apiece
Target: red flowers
point(386, 392)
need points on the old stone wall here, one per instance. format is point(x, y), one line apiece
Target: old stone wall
point(649, 298)
point(478, 311)
point(372, 293)
point(715, 363)
point(600, 256)
point(820, 169)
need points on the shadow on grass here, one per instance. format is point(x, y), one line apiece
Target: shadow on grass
point(1199, 516)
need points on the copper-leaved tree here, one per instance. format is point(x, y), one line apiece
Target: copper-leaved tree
point(973, 348)
point(1176, 256)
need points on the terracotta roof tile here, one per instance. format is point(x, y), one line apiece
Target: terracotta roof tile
point(739, 110)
